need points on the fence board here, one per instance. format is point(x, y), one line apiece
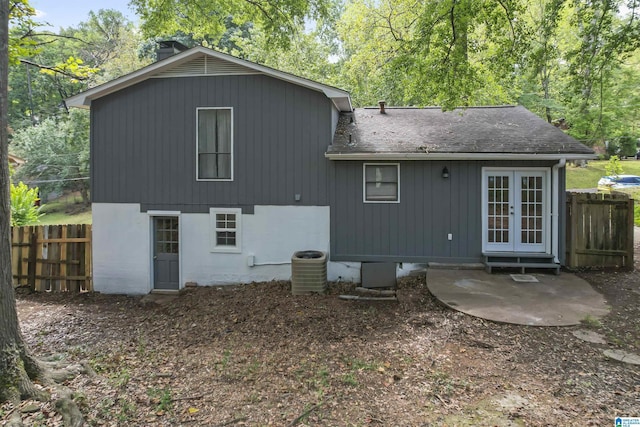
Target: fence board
point(52, 257)
point(599, 230)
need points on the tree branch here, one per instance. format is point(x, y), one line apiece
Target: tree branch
point(54, 69)
point(453, 32)
point(506, 11)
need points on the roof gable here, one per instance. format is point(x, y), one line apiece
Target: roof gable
point(205, 65)
point(200, 61)
point(429, 133)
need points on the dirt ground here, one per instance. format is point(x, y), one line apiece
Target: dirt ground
point(254, 355)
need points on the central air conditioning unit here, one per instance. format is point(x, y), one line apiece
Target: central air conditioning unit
point(308, 272)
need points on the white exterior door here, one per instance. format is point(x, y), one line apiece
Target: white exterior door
point(516, 210)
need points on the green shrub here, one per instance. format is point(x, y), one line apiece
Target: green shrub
point(614, 167)
point(23, 205)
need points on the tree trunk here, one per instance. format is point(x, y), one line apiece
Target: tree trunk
point(84, 193)
point(17, 367)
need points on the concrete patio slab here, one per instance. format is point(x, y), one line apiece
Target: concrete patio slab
point(555, 300)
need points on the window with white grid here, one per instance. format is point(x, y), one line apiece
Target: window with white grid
point(225, 230)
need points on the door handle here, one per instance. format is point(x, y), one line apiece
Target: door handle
point(155, 257)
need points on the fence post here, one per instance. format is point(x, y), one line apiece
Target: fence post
point(33, 258)
point(573, 224)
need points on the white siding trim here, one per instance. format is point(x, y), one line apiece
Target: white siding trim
point(456, 156)
point(163, 213)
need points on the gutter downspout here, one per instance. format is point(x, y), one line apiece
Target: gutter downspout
point(555, 214)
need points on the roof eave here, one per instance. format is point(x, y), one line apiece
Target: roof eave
point(83, 100)
point(459, 156)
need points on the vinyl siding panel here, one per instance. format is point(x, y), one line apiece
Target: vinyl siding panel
point(144, 143)
point(414, 230)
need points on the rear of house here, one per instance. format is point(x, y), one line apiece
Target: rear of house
point(485, 184)
point(209, 169)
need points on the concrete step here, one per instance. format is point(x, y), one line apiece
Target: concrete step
point(489, 265)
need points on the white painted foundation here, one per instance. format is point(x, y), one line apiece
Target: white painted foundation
point(270, 236)
point(121, 249)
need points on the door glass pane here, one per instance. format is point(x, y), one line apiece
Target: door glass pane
point(166, 235)
point(498, 209)
point(531, 210)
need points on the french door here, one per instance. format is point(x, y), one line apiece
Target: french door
point(516, 210)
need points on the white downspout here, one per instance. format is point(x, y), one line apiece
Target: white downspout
point(555, 209)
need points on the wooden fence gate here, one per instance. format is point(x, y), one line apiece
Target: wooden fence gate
point(599, 230)
point(52, 257)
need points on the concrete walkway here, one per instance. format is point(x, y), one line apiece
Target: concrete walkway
point(560, 300)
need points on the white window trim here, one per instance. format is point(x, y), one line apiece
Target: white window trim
point(548, 224)
point(364, 182)
point(213, 230)
point(197, 139)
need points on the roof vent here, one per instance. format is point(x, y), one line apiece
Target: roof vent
point(167, 48)
point(381, 104)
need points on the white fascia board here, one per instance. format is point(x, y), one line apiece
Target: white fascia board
point(457, 156)
point(343, 104)
point(340, 97)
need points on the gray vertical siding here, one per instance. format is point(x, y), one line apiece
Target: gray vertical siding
point(143, 148)
point(414, 230)
point(143, 143)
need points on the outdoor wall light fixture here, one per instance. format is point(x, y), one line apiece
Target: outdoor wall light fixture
point(445, 172)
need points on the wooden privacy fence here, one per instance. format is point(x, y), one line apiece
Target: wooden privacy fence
point(599, 230)
point(52, 257)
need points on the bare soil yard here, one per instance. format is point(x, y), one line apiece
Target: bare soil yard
point(255, 355)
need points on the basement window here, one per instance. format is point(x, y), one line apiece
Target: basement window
point(225, 230)
point(381, 183)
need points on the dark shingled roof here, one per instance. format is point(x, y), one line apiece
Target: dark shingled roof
point(500, 130)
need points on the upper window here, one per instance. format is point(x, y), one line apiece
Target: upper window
point(225, 230)
point(382, 182)
point(215, 143)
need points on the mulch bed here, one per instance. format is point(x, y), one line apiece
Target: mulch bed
point(254, 355)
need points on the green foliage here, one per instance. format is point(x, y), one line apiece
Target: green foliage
point(206, 19)
point(23, 205)
point(57, 153)
point(613, 167)
point(627, 145)
point(591, 321)
point(576, 61)
point(93, 52)
point(21, 15)
point(162, 398)
point(449, 53)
